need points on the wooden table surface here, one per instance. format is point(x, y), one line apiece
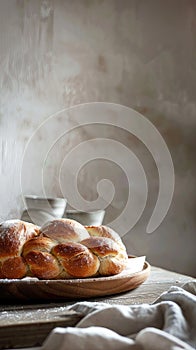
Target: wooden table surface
point(29, 324)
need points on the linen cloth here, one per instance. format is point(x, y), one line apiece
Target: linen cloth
point(167, 324)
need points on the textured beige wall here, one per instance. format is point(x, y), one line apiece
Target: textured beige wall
point(56, 54)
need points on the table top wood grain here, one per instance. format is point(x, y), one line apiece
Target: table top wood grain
point(23, 325)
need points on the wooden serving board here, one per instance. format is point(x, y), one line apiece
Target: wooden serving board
point(31, 289)
point(28, 324)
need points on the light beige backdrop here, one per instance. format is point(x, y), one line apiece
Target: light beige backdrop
point(59, 53)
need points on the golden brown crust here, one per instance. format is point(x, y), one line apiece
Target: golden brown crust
point(64, 230)
point(76, 259)
point(101, 246)
point(37, 254)
point(111, 266)
point(43, 244)
point(68, 250)
point(42, 265)
point(104, 231)
point(13, 234)
point(14, 268)
point(113, 259)
point(62, 248)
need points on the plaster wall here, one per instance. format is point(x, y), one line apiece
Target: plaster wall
point(140, 54)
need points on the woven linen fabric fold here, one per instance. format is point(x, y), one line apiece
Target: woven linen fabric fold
point(169, 323)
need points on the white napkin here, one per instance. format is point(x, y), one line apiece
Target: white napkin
point(170, 323)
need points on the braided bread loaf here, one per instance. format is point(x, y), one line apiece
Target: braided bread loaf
point(13, 235)
point(62, 248)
